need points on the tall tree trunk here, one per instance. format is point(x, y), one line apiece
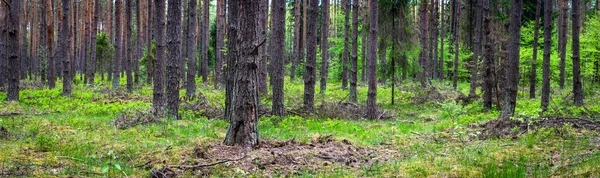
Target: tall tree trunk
point(149, 60)
point(243, 126)
point(533, 74)
point(489, 63)
point(441, 60)
point(372, 60)
point(324, 41)
point(577, 88)
point(456, 43)
point(191, 37)
point(220, 57)
point(512, 64)
point(12, 50)
point(43, 43)
point(435, 31)
point(233, 56)
point(262, 51)
point(346, 4)
point(118, 44)
point(64, 41)
point(297, 39)
point(129, 37)
point(277, 43)
point(477, 48)
point(365, 32)
point(138, 43)
point(205, 40)
point(563, 6)
point(92, 63)
point(547, 53)
point(423, 56)
point(173, 54)
point(310, 73)
point(50, 42)
point(354, 57)
point(158, 93)
point(3, 44)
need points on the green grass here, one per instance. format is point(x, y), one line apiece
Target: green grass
point(59, 136)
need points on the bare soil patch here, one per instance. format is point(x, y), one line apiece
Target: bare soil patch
point(513, 128)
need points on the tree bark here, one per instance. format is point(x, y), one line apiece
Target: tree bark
point(324, 44)
point(310, 73)
point(129, 37)
point(191, 37)
point(232, 57)
point(577, 88)
point(50, 42)
point(456, 43)
point(365, 21)
point(423, 55)
point(533, 74)
point(477, 48)
point(354, 57)
point(277, 43)
point(489, 62)
point(220, 41)
point(563, 6)
point(92, 64)
point(262, 51)
point(345, 55)
point(158, 98)
point(3, 45)
point(64, 41)
point(372, 61)
point(138, 43)
point(12, 50)
point(205, 40)
point(297, 39)
point(118, 44)
point(150, 60)
point(547, 53)
point(441, 58)
point(512, 64)
point(243, 126)
point(173, 54)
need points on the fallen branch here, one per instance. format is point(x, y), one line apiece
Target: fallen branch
point(20, 113)
point(380, 115)
point(185, 167)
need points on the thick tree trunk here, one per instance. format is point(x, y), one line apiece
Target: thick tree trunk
point(577, 88)
point(262, 51)
point(547, 53)
point(456, 43)
point(173, 54)
point(158, 93)
point(533, 74)
point(205, 40)
point(243, 126)
point(12, 50)
point(345, 56)
point(310, 73)
point(354, 57)
point(563, 28)
point(489, 62)
point(150, 35)
point(423, 56)
point(232, 57)
point(324, 42)
point(277, 43)
point(118, 44)
point(297, 39)
point(512, 64)
point(3, 45)
point(191, 37)
point(477, 48)
point(372, 61)
point(220, 57)
point(129, 47)
point(64, 51)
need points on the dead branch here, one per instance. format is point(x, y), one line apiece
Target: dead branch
point(185, 167)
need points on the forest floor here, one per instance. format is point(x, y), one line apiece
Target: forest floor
point(99, 132)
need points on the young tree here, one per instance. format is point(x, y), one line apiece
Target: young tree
point(577, 89)
point(547, 52)
point(346, 7)
point(220, 41)
point(277, 43)
point(372, 61)
point(118, 44)
point(354, 58)
point(563, 21)
point(477, 48)
point(158, 93)
point(310, 73)
point(533, 74)
point(12, 49)
point(297, 39)
point(324, 42)
point(512, 64)
point(173, 54)
point(191, 37)
point(64, 51)
point(243, 125)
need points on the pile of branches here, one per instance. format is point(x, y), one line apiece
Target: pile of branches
point(347, 110)
point(128, 120)
point(514, 127)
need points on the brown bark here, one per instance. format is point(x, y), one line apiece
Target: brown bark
point(129, 45)
point(372, 61)
point(563, 11)
point(456, 42)
point(441, 58)
point(233, 55)
point(118, 44)
point(324, 43)
point(205, 40)
point(354, 58)
point(533, 74)
point(489, 63)
point(3, 44)
point(297, 39)
point(262, 51)
point(92, 63)
point(277, 43)
point(221, 29)
point(310, 73)
point(345, 56)
point(512, 64)
point(64, 51)
point(423, 55)
point(150, 36)
point(547, 53)
point(12, 50)
point(243, 126)
point(577, 88)
point(137, 53)
point(158, 92)
point(476, 48)
point(191, 37)
point(173, 55)
point(50, 42)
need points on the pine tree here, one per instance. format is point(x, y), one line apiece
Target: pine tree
point(533, 74)
point(158, 93)
point(310, 73)
point(118, 44)
point(354, 57)
point(547, 52)
point(191, 37)
point(577, 89)
point(512, 64)
point(277, 48)
point(372, 61)
point(64, 51)
point(324, 43)
point(173, 55)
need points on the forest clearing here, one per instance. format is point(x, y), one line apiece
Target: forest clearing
point(299, 88)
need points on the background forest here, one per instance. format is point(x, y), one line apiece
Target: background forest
point(300, 88)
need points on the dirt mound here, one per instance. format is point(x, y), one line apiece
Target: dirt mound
point(287, 157)
point(347, 110)
point(128, 120)
point(513, 128)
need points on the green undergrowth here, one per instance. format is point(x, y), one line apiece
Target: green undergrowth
point(55, 136)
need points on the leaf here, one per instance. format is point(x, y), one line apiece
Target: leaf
point(105, 169)
point(118, 166)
